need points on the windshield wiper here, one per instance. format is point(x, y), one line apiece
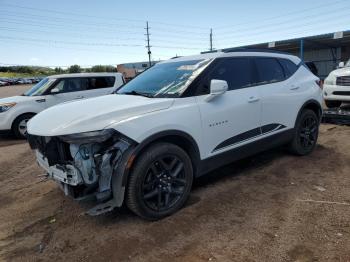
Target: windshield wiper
point(136, 93)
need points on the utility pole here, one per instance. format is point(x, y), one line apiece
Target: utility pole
point(211, 39)
point(148, 45)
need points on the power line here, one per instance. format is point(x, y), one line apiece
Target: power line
point(74, 35)
point(72, 48)
point(286, 14)
point(69, 42)
point(29, 22)
point(38, 24)
point(336, 12)
point(61, 19)
point(83, 49)
point(291, 35)
point(177, 47)
point(90, 44)
point(99, 17)
point(36, 18)
point(69, 13)
point(278, 28)
point(78, 35)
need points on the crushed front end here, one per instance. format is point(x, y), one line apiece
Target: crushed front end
point(87, 165)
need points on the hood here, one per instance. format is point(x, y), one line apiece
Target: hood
point(18, 99)
point(93, 114)
point(345, 71)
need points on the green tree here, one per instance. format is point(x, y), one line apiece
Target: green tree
point(111, 69)
point(74, 69)
point(103, 68)
point(24, 69)
point(59, 70)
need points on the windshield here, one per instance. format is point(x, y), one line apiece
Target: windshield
point(40, 88)
point(165, 79)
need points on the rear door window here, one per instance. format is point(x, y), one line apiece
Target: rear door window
point(69, 85)
point(269, 70)
point(99, 82)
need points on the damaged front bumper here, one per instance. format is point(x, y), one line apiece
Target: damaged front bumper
point(66, 175)
point(87, 166)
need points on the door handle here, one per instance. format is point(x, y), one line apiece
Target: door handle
point(253, 99)
point(294, 87)
point(79, 97)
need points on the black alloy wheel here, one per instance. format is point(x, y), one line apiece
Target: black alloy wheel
point(160, 181)
point(308, 132)
point(305, 133)
point(164, 183)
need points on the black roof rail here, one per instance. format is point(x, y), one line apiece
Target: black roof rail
point(245, 49)
point(208, 52)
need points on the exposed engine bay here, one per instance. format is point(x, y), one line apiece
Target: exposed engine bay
point(86, 170)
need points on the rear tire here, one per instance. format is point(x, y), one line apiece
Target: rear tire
point(19, 126)
point(332, 104)
point(306, 133)
point(160, 182)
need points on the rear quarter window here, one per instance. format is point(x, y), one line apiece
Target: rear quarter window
point(269, 70)
point(288, 66)
point(99, 82)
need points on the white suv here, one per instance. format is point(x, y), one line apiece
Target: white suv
point(336, 87)
point(17, 110)
point(176, 121)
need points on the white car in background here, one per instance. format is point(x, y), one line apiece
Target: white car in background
point(336, 88)
point(16, 111)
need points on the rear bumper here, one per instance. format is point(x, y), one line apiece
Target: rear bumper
point(330, 93)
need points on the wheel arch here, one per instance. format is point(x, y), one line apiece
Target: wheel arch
point(313, 105)
point(179, 138)
point(22, 114)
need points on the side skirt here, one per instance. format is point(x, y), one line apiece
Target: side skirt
point(212, 163)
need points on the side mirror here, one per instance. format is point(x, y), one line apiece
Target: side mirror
point(54, 91)
point(217, 88)
point(341, 65)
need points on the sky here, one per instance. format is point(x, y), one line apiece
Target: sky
point(87, 32)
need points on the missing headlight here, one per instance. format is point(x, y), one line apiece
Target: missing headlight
point(89, 137)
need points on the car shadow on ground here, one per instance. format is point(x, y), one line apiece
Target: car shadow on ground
point(231, 171)
point(9, 140)
point(239, 167)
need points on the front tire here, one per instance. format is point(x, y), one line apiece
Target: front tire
point(160, 182)
point(19, 126)
point(332, 104)
point(306, 133)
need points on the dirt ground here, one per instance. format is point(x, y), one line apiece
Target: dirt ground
point(260, 209)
